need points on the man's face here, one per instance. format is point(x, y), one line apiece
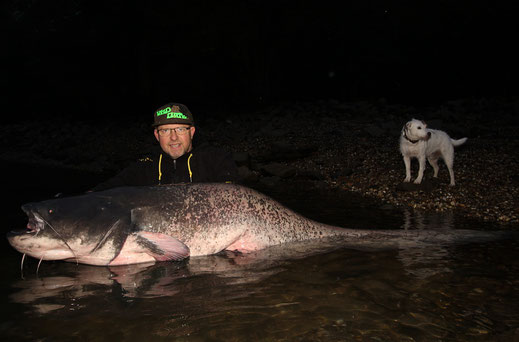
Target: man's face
point(175, 143)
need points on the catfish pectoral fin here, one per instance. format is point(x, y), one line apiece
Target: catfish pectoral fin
point(162, 247)
point(144, 247)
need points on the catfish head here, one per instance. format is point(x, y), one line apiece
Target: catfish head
point(88, 229)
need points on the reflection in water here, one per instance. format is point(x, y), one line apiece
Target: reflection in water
point(421, 221)
point(143, 280)
point(34, 290)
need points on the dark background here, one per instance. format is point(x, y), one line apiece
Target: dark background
point(80, 59)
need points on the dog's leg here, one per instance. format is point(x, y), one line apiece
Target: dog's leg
point(421, 169)
point(434, 164)
point(448, 158)
point(407, 162)
point(449, 162)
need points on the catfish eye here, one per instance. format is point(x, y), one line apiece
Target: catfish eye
point(51, 211)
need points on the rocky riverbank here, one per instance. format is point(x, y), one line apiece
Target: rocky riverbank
point(328, 144)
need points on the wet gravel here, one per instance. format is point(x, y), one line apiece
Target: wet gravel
point(323, 144)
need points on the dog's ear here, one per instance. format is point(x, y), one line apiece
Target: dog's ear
point(405, 128)
point(424, 124)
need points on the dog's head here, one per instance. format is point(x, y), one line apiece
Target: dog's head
point(415, 130)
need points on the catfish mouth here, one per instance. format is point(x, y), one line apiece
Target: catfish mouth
point(34, 225)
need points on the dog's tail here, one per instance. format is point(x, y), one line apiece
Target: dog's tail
point(458, 142)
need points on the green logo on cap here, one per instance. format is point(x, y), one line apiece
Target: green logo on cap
point(163, 111)
point(172, 113)
point(176, 115)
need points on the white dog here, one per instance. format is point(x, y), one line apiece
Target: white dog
point(420, 142)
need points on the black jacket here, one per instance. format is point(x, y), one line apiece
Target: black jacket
point(203, 164)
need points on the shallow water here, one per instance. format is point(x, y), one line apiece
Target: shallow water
point(464, 292)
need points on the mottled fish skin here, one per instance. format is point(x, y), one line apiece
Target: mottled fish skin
point(214, 217)
point(144, 224)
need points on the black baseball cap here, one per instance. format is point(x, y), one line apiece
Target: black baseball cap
point(173, 113)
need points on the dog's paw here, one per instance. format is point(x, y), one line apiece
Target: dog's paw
point(407, 179)
point(417, 181)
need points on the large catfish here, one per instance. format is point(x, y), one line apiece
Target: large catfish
point(142, 224)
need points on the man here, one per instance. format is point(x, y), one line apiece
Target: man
point(178, 161)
